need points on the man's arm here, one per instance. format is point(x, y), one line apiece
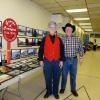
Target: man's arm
point(62, 57)
point(41, 50)
point(80, 50)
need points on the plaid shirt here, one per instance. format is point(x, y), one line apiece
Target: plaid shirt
point(72, 46)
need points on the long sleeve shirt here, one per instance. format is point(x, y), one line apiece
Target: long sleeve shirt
point(41, 49)
point(72, 46)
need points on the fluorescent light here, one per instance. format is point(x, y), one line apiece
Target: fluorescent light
point(76, 10)
point(86, 26)
point(81, 18)
point(84, 23)
point(88, 30)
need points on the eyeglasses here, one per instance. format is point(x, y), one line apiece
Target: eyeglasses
point(52, 27)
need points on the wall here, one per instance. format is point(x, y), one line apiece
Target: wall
point(24, 12)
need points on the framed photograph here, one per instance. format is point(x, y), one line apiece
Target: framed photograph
point(21, 30)
point(30, 51)
point(21, 42)
point(40, 33)
point(0, 27)
point(15, 54)
point(45, 33)
point(39, 41)
point(0, 42)
point(29, 41)
point(35, 42)
point(29, 31)
point(35, 32)
point(36, 51)
point(24, 53)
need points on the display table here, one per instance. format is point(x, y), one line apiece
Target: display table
point(16, 75)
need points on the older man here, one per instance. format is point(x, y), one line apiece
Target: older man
point(72, 46)
point(50, 53)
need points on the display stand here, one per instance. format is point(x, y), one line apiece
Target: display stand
point(18, 94)
point(2, 93)
point(5, 85)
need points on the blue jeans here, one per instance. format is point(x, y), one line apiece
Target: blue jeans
point(70, 65)
point(52, 76)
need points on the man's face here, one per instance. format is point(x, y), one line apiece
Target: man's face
point(68, 31)
point(52, 29)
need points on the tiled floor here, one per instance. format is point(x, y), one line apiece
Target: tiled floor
point(88, 75)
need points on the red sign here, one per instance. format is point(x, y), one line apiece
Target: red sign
point(10, 30)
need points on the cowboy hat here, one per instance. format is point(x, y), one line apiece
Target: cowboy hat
point(69, 25)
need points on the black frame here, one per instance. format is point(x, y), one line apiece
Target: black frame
point(23, 28)
point(1, 42)
point(29, 30)
point(29, 53)
point(45, 33)
point(35, 32)
point(34, 43)
point(18, 42)
point(24, 56)
point(1, 58)
point(41, 32)
point(16, 58)
point(28, 43)
point(0, 27)
point(35, 52)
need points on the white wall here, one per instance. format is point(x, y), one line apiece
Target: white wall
point(24, 12)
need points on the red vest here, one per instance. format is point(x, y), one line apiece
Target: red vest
point(52, 50)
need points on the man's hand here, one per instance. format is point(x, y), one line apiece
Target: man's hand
point(41, 63)
point(61, 63)
point(81, 61)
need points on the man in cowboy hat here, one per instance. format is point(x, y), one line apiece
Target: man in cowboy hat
point(72, 46)
point(50, 53)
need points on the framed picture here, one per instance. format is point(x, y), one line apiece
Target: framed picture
point(30, 51)
point(35, 32)
point(40, 32)
point(35, 42)
point(36, 51)
point(45, 33)
point(39, 41)
point(29, 31)
point(0, 27)
point(15, 54)
point(24, 53)
point(21, 41)
point(21, 30)
point(0, 42)
point(29, 41)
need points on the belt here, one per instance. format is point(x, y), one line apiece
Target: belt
point(72, 57)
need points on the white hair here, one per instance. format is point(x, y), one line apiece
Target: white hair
point(52, 23)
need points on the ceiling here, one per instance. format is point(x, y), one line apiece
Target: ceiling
point(59, 6)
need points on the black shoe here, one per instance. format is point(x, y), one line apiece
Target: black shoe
point(62, 91)
point(46, 95)
point(56, 96)
point(75, 93)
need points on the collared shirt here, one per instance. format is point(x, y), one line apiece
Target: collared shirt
point(72, 46)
